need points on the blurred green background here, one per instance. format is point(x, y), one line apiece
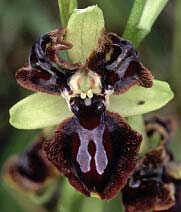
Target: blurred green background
point(22, 21)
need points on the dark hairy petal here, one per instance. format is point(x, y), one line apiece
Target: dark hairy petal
point(116, 61)
point(46, 71)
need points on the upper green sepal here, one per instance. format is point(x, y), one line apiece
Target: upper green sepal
point(83, 30)
point(42, 110)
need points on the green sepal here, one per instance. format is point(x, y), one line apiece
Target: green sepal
point(39, 110)
point(83, 30)
point(139, 100)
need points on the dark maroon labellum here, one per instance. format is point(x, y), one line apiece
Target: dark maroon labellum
point(98, 160)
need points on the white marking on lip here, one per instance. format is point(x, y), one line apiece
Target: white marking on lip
point(84, 157)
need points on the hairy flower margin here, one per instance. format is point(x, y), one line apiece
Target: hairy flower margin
point(97, 150)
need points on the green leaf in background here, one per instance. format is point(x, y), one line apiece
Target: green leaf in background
point(115, 205)
point(92, 204)
point(143, 15)
point(42, 110)
point(39, 110)
point(139, 100)
point(131, 31)
point(150, 13)
point(83, 30)
point(137, 123)
point(66, 8)
point(71, 200)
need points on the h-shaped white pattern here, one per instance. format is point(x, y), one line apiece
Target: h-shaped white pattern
point(83, 155)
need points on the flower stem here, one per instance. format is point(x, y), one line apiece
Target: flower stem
point(132, 32)
point(66, 8)
point(143, 15)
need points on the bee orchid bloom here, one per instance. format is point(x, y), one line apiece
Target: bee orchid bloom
point(97, 150)
point(147, 188)
point(155, 183)
point(30, 171)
